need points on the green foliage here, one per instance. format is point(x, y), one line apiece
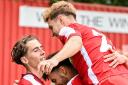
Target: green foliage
point(107, 2)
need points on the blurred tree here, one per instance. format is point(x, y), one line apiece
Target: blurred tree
point(107, 2)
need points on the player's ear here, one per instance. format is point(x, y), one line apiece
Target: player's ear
point(61, 19)
point(62, 71)
point(24, 60)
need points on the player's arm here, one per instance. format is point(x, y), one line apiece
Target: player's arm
point(72, 46)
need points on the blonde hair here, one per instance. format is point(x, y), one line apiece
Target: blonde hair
point(61, 7)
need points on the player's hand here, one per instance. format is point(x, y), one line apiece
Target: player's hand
point(47, 65)
point(115, 58)
point(16, 82)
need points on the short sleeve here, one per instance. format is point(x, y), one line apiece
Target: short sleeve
point(68, 32)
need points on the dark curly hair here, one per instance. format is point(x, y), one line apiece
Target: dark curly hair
point(20, 49)
point(65, 62)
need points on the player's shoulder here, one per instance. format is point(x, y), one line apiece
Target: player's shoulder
point(76, 80)
point(23, 81)
point(28, 79)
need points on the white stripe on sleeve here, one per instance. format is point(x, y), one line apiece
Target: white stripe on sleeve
point(31, 79)
point(66, 31)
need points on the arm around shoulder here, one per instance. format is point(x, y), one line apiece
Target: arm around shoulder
point(72, 46)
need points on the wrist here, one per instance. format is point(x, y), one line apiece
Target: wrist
point(126, 61)
point(56, 59)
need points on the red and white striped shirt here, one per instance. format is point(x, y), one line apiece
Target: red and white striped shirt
point(75, 80)
point(89, 61)
point(31, 79)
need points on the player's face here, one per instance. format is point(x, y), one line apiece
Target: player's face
point(58, 79)
point(35, 53)
point(55, 26)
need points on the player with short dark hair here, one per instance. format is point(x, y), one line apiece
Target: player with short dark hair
point(64, 73)
point(29, 52)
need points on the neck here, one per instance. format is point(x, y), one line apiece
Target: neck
point(35, 72)
point(71, 73)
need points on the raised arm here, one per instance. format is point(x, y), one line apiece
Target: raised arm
point(72, 46)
